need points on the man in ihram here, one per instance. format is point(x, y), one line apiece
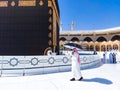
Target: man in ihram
point(76, 73)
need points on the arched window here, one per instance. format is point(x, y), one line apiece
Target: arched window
point(88, 39)
point(74, 39)
point(117, 37)
point(62, 39)
point(101, 39)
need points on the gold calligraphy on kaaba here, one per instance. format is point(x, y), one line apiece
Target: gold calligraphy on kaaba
point(20, 3)
point(27, 3)
point(3, 3)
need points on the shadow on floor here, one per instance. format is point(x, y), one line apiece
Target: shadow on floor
point(99, 80)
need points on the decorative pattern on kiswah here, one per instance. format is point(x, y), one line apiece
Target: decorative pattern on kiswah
point(4, 3)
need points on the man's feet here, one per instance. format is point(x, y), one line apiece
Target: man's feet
point(80, 79)
point(73, 79)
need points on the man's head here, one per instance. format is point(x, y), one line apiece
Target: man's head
point(75, 50)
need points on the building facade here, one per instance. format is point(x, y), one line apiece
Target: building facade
point(99, 40)
point(29, 27)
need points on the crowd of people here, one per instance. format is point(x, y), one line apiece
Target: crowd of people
point(111, 59)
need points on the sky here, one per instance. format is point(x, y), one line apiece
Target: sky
point(89, 14)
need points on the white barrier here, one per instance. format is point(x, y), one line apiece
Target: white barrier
point(32, 65)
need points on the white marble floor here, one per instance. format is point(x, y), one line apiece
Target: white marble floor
point(105, 77)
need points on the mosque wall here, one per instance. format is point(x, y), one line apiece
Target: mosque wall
point(99, 41)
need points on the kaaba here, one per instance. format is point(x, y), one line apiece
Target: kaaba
point(29, 27)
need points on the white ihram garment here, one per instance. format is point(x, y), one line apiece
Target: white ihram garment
point(76, 73)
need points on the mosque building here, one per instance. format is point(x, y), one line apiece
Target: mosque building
point(98, 40)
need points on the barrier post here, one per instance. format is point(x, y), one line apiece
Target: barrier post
point(1, 66)
point(24, 67)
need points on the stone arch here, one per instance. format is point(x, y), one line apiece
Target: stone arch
point(103, 48)
point(109, 47)
point(116, 37)
point(75, 39)
point(87, 47)
point(97, 48)
point(62, 39)
point(101, 39)
point(115, 47)
point(88, 39)
point(91, 47)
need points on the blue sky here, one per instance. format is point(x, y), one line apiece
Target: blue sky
point(90, 14)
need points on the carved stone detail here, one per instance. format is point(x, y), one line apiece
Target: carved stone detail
point(41, 3)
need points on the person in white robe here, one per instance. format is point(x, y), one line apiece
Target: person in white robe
point(76, 72)
point(110, 58)
point(104, 58)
